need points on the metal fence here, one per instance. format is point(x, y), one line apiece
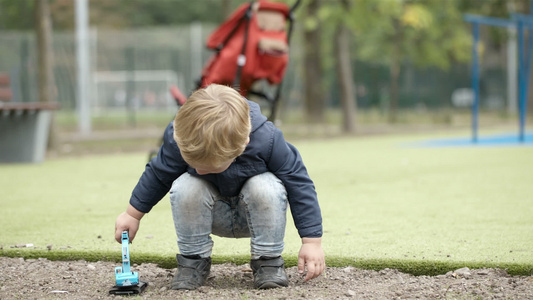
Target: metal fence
point(139, 63)
point(134, 68)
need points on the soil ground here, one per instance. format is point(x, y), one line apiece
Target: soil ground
point(45, 279)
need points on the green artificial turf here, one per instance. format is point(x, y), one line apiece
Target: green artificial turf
point(384, 202)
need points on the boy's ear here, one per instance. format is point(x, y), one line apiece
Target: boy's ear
point(247, 140)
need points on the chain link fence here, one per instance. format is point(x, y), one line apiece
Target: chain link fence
point(133, 69)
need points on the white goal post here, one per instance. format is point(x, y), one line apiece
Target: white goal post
point(150, 89)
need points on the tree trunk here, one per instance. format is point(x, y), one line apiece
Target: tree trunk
point(395, 71)
point(44, 52)
point(394, 78)
point(226, 8)
point(314, 96)
point(345, 78)
point(47, 87)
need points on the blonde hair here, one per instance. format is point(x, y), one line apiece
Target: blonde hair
point(213, 126)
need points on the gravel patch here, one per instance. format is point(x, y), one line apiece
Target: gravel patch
point(44, 279)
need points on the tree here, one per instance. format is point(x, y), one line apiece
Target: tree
point(16, 14)
point(43, 29)
point(345, 72)
point(47, 87)
point(314, 94)
point(424, 33)
point(142, 13)
point(226, 8)
point(336, 55)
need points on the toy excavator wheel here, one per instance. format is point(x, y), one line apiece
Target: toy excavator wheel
point(129, 290)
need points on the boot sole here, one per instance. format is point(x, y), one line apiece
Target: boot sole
point(271, 285)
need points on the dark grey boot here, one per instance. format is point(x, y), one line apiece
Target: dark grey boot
point(269, 272)
point(192, 272)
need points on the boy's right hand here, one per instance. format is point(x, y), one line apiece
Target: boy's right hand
point(128, 221)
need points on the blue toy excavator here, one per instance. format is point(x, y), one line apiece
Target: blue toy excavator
point(127, 281)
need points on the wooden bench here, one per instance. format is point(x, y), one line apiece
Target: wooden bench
point(24, 126)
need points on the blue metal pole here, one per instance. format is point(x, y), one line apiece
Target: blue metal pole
point(521, 80)
point(488, 21)
point(475, 80)
point(527, 76)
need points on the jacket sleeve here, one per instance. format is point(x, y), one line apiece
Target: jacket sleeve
point(287, 164)
point(160, 172)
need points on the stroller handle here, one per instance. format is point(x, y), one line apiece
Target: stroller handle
point(295, 6)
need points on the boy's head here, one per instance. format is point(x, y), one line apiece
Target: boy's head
point(212, 128)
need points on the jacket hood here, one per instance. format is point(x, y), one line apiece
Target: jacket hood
point(256, 117)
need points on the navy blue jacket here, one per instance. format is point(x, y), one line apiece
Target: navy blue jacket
point(267, 152)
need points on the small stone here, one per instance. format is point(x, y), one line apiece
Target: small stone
point(350, 293)
point(400, 279)
point(246, 268)
point(49, 247)
point(163, 289)
point(462, 272)
point(91, 267)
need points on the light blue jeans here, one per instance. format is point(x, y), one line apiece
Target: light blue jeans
point(258, 212)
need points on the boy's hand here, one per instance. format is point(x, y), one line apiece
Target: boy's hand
point(128, 221)
point(311, 256)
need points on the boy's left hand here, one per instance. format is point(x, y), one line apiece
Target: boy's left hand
point(311, 256)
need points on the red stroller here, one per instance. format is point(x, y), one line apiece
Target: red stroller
point(251, 45)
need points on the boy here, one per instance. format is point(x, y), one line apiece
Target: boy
point(230, 173)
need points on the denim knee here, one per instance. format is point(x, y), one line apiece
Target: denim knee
point(265, 189)
point(187, 190)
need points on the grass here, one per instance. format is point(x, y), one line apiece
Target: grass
point(384, 204)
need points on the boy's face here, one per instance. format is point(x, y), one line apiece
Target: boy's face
point(203, 170)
